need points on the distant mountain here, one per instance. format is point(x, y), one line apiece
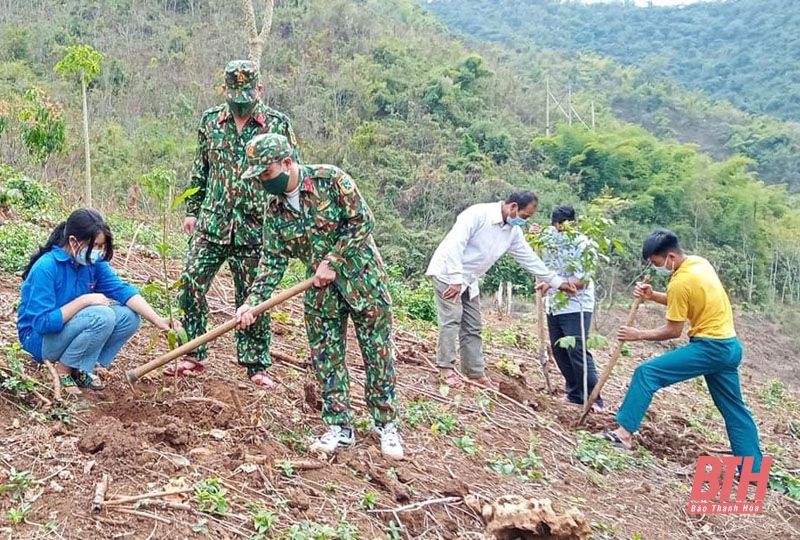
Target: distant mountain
point(744, 51)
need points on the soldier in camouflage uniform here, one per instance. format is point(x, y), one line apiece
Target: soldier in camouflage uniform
point(226, 215)
point(316, 214)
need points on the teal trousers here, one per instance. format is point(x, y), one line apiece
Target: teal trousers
point(718, 361)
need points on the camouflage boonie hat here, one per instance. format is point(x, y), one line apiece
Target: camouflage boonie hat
point(241, 81)
point(264, 150)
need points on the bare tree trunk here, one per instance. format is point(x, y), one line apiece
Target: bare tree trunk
point(257, 38)
point(88, 200)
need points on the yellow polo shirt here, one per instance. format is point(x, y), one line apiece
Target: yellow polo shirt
point(695, 294)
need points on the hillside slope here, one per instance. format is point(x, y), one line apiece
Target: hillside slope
point(737, 50)
point(188, 434)
point(648, 91)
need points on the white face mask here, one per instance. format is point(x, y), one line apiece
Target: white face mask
point(663, 270)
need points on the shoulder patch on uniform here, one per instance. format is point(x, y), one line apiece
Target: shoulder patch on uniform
point(346, 184)
point(277, 114)
point(325, 171)
point(213, 111)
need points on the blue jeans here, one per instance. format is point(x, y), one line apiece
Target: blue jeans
point(93, 336)
point(718, 361)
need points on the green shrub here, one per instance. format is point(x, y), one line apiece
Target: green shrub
point(18, 241)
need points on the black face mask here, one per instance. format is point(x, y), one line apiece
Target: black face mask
point(242, 110)
point(277, 185)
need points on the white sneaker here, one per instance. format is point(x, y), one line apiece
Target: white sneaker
point(391, 443)
point(336, 437)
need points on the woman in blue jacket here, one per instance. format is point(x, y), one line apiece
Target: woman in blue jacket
point(75, 311)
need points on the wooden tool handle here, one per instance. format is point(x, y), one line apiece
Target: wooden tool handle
point(540, 320)
point(135, 374)
point(613, 361)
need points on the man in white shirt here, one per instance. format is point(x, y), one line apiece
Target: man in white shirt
point(481, 235)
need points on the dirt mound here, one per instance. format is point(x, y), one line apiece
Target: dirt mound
point(109, 436)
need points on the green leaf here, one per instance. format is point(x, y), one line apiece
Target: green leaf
point(566, 342)
point(597, 341)
point(183, 196)
point(172, 339)
point(183, 337)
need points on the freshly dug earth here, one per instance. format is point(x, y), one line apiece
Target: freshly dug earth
point(171, 434)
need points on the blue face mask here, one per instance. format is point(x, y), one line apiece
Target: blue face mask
point(516, 221)
point(94, 256)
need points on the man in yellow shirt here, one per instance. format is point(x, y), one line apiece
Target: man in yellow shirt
point(694, 294)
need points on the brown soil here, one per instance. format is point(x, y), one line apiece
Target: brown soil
point(166, 433)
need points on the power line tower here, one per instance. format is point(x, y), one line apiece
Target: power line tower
point(564, 106)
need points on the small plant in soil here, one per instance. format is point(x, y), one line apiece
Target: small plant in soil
point(210, 495)
point(394, 531)
point(15, 516)
point(60, 413)
point(784, 482)
point(417, 412)
point(296, 439)
point(467, 444)
point(12, 375)
point(286, 468)
point(527, 467)
point(18, 483)
point(773, 395)
point(159, 185)
point(599, 454)
point(310, 530)
point(697, 424)
point(444, 424)
point(264, 521)
point(201, 526)
point(369, 500)
point(362, 424)
point(484, 400)
point(603, 531)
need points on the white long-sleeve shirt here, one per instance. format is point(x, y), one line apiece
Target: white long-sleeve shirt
point(479, 237)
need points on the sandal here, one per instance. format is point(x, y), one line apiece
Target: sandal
point(188, 366)
point(615, 440)
point(90, 381)
point(262, 380)
point(69, 386)
point(452, 379)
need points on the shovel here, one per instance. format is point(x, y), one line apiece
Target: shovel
point(543, 354)
point(134, 375)
point(613, 361)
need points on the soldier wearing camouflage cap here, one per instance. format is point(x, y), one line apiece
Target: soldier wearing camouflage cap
point(226, 214)
point(316, 214)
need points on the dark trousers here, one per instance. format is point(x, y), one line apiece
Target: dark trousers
point(570, 360)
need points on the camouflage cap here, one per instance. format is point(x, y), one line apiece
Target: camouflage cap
point(241, 81)
point(264, 150)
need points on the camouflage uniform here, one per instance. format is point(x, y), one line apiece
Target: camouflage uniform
point(230, 214)
point(333, 224)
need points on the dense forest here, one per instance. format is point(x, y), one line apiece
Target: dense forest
point(426, 125)
point(738, 50)
point(649, 91)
